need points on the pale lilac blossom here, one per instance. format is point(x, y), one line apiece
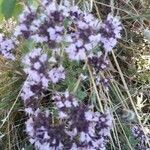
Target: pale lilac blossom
point(56, 74)
point(141, 137)
point(110, 32)
point(7, 47)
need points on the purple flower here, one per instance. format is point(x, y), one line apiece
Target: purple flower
point(83, 34)
point(64, 102)
point(25, 20)
point(92, 128)
point(48, 27)
point(60, 29)
point(99, 63)
point(7, 47)
point(36, 67)
point(56, 74)
point(110, 31)
point(39, 75)
point(139, 135)
point(81, 128)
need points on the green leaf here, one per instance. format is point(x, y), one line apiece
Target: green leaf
point(1, 15)
point(33, 3)
point(26, 46)
point(81, 95)
point(17, 10)
point(130, 136)
point(66, 22)
point(28, 147)
point(7, 8)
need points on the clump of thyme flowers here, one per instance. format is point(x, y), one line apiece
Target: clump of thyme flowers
point(58, 31)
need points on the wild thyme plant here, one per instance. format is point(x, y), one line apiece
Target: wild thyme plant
point(61, 33)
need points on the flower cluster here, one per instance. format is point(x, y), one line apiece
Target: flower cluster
point(56, 74)
point(110, 32)
point(141, 137)
point(86, 129)
point(39, 126)
point(7, 47)
point(64, 102)
point(54, 24)
point(39, 75)
point(25, 20)
point(36, 66)
point(98, 62)
point(83, 34)
point(61, 30)
point(81, 128)
point(48, 27)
